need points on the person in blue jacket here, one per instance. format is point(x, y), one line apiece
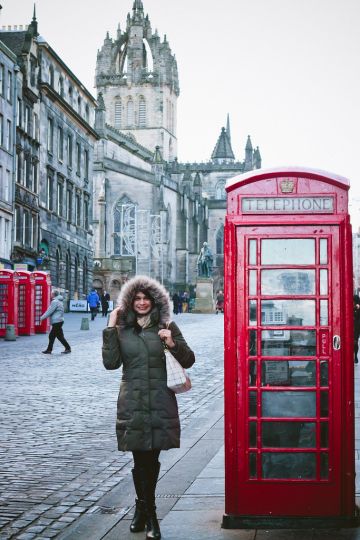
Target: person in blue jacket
point(93, 301)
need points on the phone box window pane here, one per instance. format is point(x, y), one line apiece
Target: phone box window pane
point(288, 404)
point(287, 282)
point(288, 312)
point(252, 312)
point(288, 373)
point(323, 282)
point(252, 282)
point(252, 343)
point(252, 251)
point(288, 434)
point(324, 373)
point(300, 466)
point(324, 434)
point(323, 251)
point(288, 343)
point(324, 466)
point(252, 403)
point(324, 403)
point(324, 309)
point(252, 373)
point(252, 465)
point(252, 433)
point(288, 251)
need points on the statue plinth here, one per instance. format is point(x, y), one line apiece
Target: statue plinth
point(204, 301)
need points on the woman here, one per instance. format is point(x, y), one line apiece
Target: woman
point(147, 412)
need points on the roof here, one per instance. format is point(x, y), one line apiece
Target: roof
point(14, 40)
point(223, 148)
point(261, 174)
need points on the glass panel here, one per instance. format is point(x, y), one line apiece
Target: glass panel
point(288, 404)
point(252, 433)
point(324, 403)
point(289, 312)
point(288, 251)
point(252, 403)
point(252, 343)
point(324, 466)
point(323, 251)
point(324, 373)
point(287, 465)
point(324, 434)
point(252, 282)
point(252, 251)
point(323, 281)
point(252, 464)
point(288, 343)
point(252, 373)
point(288, 373)
point(288, 434)
point(252, 312)
point(289, 282)
point(324, 319)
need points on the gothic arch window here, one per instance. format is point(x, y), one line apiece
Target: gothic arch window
point(130, 113)
point(220, 240)
point(142, 112)
point(118, 113)
point(125, 227)
point(220, 190)
point(121, 59)
point(68, 271)
point(76, 273)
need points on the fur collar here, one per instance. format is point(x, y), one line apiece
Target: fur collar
point(158, 293)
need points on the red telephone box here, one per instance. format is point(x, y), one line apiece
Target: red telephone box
point(8, 300)
point(289, 366)
point(42, 300)
point(26, 295)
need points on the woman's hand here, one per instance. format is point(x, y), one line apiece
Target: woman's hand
point(113, 317)
point(165, 335)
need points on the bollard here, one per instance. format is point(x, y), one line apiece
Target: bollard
point(84, 323)
point(10, 333)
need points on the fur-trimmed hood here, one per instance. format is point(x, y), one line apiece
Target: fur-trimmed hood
point(158, 293)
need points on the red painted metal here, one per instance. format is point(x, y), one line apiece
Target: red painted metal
point(296, 204)
point(26, 296)
point(42, 300)
point(8, 300)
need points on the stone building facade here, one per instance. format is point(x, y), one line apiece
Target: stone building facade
point(151, 212)
point(8, 88)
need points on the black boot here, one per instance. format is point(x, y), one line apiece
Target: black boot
point(139, 519)
point(152, 525)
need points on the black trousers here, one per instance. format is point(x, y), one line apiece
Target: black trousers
point(94, 311)
point(57, 332)
point(146, 459)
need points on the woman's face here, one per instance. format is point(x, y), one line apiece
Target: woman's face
point(141, 304)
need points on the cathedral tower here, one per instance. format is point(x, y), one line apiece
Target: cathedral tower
point(138, 78)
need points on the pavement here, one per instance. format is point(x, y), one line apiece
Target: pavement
point(61, 475)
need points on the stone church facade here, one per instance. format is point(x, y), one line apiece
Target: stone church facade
point(152, 213)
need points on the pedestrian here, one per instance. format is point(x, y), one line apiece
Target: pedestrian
point(176, 301)
point(56, 313)
point(147, 412)
point(105, 297)
point(185, 302)
point(356, 326)
point(94, 302)
point(219, 302)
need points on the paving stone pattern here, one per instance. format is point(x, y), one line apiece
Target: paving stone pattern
point(58, 453)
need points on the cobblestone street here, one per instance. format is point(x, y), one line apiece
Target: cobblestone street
point(58, 454)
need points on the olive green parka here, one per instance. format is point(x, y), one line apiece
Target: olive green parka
point(147, 412)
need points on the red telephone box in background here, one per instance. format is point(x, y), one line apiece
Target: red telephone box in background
point(289, 362)
point(8, 300)
point(42, 300)
point(26, 295)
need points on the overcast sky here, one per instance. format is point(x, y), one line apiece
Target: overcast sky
point(287, 71)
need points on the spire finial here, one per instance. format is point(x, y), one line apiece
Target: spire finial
point(34, 13)
point(228, 127)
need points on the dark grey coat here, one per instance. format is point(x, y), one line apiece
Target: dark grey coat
point(147, 412)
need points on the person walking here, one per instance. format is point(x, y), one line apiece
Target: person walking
point(104, 299)
point(147, 413)
point(93, 301)
point(56, 313)
point(356, 309)
point(219, 302)
point(176, 302)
